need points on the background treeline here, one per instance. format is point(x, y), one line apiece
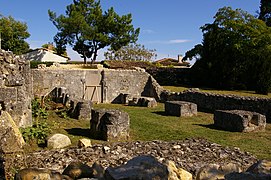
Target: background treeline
point(235, 52)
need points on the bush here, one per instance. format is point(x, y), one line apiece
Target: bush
point(38, 132)
point(34, 64)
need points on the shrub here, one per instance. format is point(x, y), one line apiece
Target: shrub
point(38, 132)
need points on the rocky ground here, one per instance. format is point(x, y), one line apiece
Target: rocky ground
point(190, 154)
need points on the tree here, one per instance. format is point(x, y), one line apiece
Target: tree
point(235, 52)
point(87, 29)
point(131, 52)
point(51, 47)
point(265, 12)
point(13, 35)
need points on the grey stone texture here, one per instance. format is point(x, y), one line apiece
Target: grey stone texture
point(209, 102)
point(16, 88)
point(110, 124)
point(189, 154)
point(143, 102)
point(240, 121)
point(111, 85)
point(141, 167)
point(180, 108)
point(80, 109)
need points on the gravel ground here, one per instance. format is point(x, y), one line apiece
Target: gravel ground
point(190, 154)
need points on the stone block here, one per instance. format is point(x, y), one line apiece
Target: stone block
point(80, 109)
point(147, 102)
point(11, 139)
point(180, 108)
point(239, 120)
point(110, 124)
point(143, 102)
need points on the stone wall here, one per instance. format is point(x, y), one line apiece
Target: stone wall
point(16, 88)
point(110, 83)
point(211, 102)
point(132, 82)
point(46, 80)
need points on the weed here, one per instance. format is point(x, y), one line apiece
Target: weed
point(38, 132)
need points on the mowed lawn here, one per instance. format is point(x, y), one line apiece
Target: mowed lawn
point(209, 90)
point(153, 124)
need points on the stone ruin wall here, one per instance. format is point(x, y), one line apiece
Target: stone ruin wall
point(45, 80)
point(132, 82)
point(16, 88)
point(211, 102)
point(111, 82)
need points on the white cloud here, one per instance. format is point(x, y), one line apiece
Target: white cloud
point(173, 41)
point(178, 41)
point(147, 31)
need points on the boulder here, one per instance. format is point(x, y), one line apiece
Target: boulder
point(110, 124)
point(77, 170)
point(247, 176)
point(58, 141)
point(239, 120)
point(214, 171)
point(141, 167)
point(11, 139)
point(177, 173)
point(42, 174)
point(262, 166)
point(180, 108)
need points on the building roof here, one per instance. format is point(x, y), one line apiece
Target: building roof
point(48, 50)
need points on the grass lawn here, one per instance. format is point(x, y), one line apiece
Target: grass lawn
point(152, 124)
point(235, 92)
point(147, 124)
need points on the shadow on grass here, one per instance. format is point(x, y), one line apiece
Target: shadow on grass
point(209, 126)
point(83, 132)
point(161, 113)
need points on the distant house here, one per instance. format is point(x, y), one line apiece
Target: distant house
point(44, 55)
point(175, 62)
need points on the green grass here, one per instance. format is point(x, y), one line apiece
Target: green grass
point(147, 124)
point(152, 124)
point(235, 92)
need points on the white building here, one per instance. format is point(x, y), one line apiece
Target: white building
point(44, 55)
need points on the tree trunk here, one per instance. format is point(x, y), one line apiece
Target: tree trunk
point(85, 59)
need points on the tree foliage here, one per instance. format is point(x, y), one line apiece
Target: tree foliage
point(131, 52)
point(13, 35)
point(265, 12)
point(235, 52)
point(88, 29)
point(51, 47)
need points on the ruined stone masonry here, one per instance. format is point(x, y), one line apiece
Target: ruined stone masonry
point(180, 108)
point(241, 121)
point(110, 124)
point(102, 86)
point(210, 102)
point(16, 88)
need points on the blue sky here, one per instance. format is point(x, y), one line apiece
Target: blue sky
point(171, 27)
